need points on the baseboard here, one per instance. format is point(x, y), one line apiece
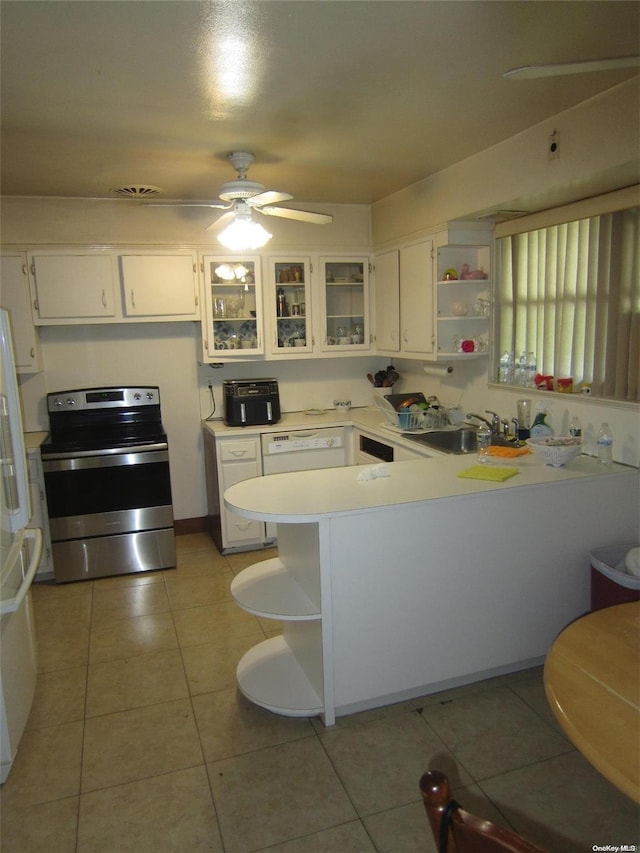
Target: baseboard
point(190, 525)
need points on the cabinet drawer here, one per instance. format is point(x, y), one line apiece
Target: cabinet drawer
point(233, 451)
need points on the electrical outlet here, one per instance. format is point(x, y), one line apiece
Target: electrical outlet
point(553, 149)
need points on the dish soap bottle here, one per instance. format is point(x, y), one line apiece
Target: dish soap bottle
point(540, 427)
point(605, 445)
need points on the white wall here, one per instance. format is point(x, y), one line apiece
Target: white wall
point(598, 153)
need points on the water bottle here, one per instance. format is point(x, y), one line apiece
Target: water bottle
point(483, 438)
point(605, 445)
point(531, 370)
point(505, 371)
point(521, 370)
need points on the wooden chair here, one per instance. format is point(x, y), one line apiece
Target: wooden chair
point(457, 831)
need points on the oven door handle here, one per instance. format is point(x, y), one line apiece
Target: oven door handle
point(103, 451)
point(66, 462)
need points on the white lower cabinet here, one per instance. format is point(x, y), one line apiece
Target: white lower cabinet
point(229, 461)
point(285, 674)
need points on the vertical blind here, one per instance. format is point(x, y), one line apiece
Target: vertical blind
point(570, 293)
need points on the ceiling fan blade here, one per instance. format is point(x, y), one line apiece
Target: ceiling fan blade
point(268, 197)
point(530, 72)
point(185, 204)
point(221, 220)
point(300, 215)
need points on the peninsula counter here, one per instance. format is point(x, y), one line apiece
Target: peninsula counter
point(394, 587)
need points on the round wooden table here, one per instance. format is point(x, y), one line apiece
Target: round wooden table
point(592, 682)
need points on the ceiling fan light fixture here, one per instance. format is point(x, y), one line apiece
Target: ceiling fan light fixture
point(243, 233)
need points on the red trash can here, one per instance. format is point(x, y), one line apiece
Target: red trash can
point(610, 583)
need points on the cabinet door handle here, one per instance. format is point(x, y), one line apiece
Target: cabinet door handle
point(104, 298)
point(33, 352)
point(133, 299)
point(238, 452)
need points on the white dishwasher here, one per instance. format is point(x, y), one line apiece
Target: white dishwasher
point(302, 450)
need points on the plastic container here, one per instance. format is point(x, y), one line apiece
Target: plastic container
point(483, 439)
point(605, 445)
point(609, 584)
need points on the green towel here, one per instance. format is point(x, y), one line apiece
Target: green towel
point(488, 472)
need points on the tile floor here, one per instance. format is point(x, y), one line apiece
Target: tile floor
point(139, 741)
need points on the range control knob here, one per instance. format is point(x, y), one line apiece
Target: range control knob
point(71, 401)
point(149, 395)
point(57, 402)
point(137, 395)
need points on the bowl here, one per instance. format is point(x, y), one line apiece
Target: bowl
point(556, 450)
point(342, 405)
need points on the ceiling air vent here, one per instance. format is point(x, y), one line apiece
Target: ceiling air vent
point(136, 191)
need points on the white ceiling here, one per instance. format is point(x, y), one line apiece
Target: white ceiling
point(342, 102)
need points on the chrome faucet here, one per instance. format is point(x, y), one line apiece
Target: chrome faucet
point(480, 418)
point(495, 422)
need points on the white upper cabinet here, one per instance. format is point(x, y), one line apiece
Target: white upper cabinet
point(159, 285)
point(416, 298)
point(73, 286)
point(232, 322)
point(113, 286)
point(387, 300)
point(433, 296)
point(288, 306)
point(344, 286)
point(14, 296)
point(404, 300)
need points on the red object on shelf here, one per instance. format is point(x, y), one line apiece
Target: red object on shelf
point(545, 383)
point(468, 346)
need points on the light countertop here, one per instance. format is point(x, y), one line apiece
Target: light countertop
point(311, 495)
point(33, 440)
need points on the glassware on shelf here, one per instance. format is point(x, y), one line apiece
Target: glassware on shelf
point(233, 305)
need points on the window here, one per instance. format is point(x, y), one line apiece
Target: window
point(570, 294)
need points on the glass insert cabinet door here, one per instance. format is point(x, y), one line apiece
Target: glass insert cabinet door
point(345, 285)
point(290, 305)
point(233, 309)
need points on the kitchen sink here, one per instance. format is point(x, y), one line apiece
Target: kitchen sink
point(458, 441)
point(450, 440)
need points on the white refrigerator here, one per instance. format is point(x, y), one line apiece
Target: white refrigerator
point(20, 551)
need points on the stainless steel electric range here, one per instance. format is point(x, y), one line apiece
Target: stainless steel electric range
point(107, 481)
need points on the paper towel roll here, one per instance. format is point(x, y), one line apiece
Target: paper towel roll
point(438, 369)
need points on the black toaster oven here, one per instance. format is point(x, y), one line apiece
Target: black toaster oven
point(250, 402)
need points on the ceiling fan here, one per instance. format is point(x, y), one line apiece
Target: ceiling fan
point(242, 196)
point(558, 69)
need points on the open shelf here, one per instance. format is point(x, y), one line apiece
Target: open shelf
point(267, 589)
point(270, 676)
